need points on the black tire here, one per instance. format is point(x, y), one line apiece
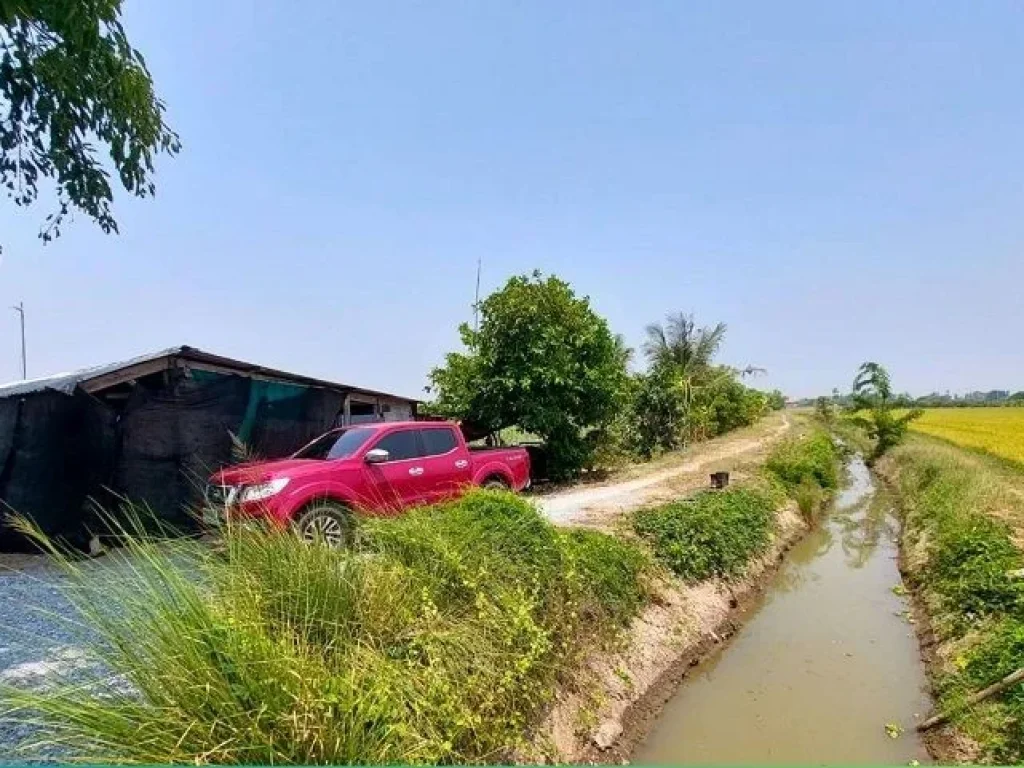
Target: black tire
point(327, 522)
point(495, 483)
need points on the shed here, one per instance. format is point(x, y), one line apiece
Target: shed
point(153, 428)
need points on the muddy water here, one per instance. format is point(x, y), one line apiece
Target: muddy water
point(822, 664)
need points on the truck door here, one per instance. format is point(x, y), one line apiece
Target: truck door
point(396, 483)
point(446, 465)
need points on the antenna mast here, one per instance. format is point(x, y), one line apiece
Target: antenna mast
point(476, 300)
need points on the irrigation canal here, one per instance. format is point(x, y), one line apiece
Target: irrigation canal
point(825, 661)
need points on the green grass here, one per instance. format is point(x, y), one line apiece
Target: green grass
point(439, 640)
point(811, 458)
point(961, 520)
point(807, 467)
point(715, 533)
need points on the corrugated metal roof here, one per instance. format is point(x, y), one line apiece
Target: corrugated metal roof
point(67, 382)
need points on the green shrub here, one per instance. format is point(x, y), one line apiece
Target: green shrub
point(438, 640)
point(813, 458)
point(714, 534)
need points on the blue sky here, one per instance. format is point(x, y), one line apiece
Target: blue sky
point(836, 181)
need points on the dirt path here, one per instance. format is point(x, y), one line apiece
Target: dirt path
point(735, 453)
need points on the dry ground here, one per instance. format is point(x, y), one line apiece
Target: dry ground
point(669, 478)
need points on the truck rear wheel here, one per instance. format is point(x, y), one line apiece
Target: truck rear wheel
point(495, 483)
point(327, 522)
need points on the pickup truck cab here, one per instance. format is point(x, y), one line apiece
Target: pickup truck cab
point(377, 469)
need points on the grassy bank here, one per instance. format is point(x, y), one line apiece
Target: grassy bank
point(439, 639)
point(717, 533)
point(963, 528)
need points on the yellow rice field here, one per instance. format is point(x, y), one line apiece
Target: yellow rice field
point(999, 431)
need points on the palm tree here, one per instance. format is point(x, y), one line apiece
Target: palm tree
point(682, 344)
point(876, 412)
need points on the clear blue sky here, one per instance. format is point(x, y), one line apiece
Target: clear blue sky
point(836, 181)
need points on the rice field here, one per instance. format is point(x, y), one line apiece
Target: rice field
point(999, 431)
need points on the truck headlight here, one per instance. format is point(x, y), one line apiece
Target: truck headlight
point(264, 490)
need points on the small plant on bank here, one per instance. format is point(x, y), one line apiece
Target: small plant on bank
point(876, 410)
point(439, 640)
point(825, 411)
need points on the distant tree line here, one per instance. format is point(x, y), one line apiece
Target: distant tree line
point(543, 361)
point(993, 398)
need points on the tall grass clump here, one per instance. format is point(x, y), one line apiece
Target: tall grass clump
point(958, 522)
point(808, 468)
point(438, 639)
point(715, 533)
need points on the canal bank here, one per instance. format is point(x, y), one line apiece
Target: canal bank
point(611, 702)
point(962, 555)
point(825, 667)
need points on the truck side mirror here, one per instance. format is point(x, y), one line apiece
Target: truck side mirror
point(376, 456)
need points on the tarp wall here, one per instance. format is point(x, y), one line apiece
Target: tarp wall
point(58, 451)
point(55, 450)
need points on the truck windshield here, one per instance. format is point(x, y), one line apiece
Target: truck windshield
point(339, 444)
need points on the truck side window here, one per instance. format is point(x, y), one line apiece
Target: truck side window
point(437, 441)
point(400, 445)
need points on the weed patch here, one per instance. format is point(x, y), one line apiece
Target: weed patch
point(716, 533)
point(807, 467)
point(810, 459)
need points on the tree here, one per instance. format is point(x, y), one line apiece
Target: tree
point(542, 360)
point(876, 408)
point(659, 410)
point(69, 81)
point(681, 344)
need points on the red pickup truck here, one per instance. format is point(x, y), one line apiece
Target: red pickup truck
point(375, 469)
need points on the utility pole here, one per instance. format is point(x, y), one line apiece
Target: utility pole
point(476, 301)
point(20, 309)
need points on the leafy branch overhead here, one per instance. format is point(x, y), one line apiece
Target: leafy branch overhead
point(76, 100)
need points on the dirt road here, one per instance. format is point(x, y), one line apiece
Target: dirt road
point(599, 506)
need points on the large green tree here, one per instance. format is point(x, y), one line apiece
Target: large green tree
point(542, 360)
point(76, 101)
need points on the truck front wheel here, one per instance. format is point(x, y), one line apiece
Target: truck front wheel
point(327, 522)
